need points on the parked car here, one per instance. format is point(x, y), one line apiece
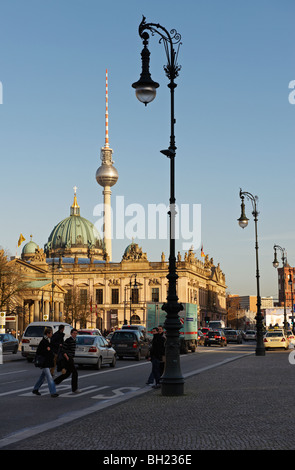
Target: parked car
point(94, 350)
point(215, 337)
point(250, 335)
point(8, 343)
point(89, 332)
point(34, 333)
point(276, 338)
point(233, 336)
point(130, 343)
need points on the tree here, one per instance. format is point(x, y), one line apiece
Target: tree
point(12, 283)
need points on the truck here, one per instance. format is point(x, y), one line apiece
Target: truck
point(188, 318)
point(216, 324)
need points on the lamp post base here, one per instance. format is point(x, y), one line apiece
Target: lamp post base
point(260, 351)
point(172, 388)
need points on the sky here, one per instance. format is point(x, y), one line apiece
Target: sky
point(235, 124)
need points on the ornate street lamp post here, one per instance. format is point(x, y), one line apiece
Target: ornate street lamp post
point(276, 265)
point(135, 286)
point(52, 285)
point(243, 222)
point(172, 382)
point(292, 300)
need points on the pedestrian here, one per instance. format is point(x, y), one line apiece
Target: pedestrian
point(157, 352)
point(57, 341)
point(68, 354)
point(162, 333)
point(151, 378)
point(44, 350)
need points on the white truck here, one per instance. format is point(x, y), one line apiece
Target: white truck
point(188, 317)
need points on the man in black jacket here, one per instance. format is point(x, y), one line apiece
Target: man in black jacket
point(57, 341)
point(68, 353)
point(45, 351)
point(157, 352)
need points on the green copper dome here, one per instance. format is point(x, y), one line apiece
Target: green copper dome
point(29, 248)
point(74, 236)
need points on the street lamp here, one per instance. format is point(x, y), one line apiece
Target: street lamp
point(292, 305)
point(52, 283)
point(243, 222)
point(276, 265)
point(135, 286)
point(172, 382)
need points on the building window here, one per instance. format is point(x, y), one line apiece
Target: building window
point(99, 296)
point(155, 294)
point(83, 296)
point(115, 296)
point(134, 296)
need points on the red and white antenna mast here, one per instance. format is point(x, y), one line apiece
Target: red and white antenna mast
point(107, 113)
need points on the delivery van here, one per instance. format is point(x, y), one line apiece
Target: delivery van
point(34, 333)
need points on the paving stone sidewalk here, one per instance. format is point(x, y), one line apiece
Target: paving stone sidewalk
point(247, 404)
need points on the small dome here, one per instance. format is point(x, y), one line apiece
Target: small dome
point(29, 248)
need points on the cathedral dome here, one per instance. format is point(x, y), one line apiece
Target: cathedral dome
point(75, 236)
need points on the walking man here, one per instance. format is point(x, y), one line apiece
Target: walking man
point(68, 353)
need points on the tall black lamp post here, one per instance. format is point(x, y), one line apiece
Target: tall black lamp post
point(52, 284)
point(172, 382)
point(243, 222)
point(135, 286)
point(276, 265)
point(290, 281)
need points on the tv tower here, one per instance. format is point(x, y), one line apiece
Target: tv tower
point(107, 176)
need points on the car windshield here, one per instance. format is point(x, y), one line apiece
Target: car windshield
point(231, 332)
point(274, 334)
point(85, 340)
point(214, 333)
point(123, 335)
point(250, 332)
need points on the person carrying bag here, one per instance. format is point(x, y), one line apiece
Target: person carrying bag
point(44, 360)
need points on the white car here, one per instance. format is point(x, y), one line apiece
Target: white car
point(276, 339)
point(250, 335)
point(93, 350)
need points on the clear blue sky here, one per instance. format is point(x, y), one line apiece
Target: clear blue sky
point(235, 126)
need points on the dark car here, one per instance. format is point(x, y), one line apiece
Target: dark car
point(130, 343)
point(8, 343)
point(215, 337)
point(233, 336)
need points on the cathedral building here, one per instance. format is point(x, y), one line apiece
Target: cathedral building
point(74, 278)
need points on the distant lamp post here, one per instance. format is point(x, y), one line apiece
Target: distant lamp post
point(172, 382)
point(134, 286)
point(243, 222)
point(276, 265)
point(59, 264)
point(292, 300)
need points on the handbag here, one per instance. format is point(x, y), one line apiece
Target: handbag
point(39, 361)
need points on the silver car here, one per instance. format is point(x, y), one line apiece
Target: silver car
point(250, 335)
point(92, 350)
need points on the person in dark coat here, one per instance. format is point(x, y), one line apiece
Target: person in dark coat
point(45, 350)
point(157, 352)
point(68, 353)
point(57, 341)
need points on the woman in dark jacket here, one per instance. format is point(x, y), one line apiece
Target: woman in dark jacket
point(45, 350)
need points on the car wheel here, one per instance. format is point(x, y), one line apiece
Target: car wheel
point(98, 364)
point(113, 363)
point(137, 357)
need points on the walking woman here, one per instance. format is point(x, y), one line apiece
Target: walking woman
point(45, 351)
